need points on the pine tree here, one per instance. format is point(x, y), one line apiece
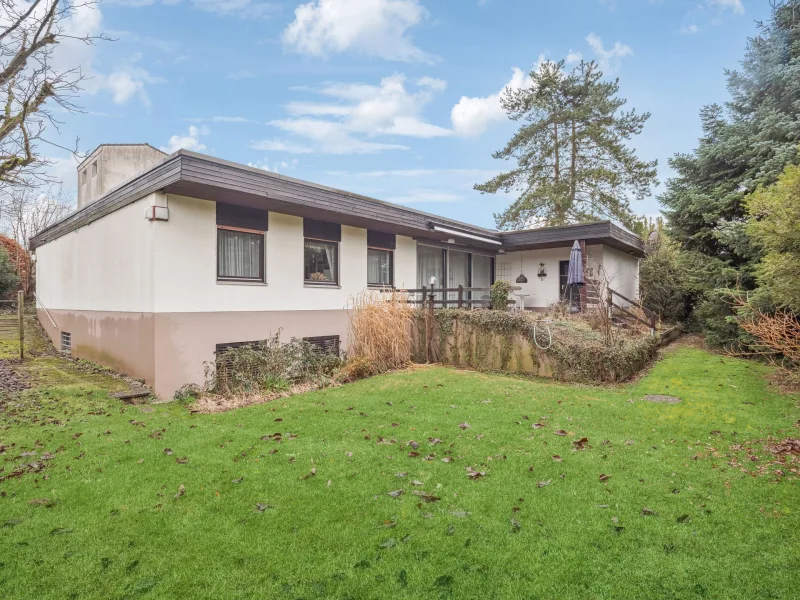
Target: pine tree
point(746, 143)
point(573, 162)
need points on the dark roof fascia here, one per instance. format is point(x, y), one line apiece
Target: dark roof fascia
point(197, 175)
point(598, 232)
point(151, 181)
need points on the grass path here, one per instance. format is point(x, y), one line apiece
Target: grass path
point(310, 516)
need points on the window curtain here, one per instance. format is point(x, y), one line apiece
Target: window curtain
point(379, 268)
point(239, 254)
point(330, 256)
point(457, 272)
point(429, 264)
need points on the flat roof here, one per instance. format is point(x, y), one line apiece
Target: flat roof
point(206, 177)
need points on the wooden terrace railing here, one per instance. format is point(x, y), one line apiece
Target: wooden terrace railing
point(464, 297)
point(652, 318)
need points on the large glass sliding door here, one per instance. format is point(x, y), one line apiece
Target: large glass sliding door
point(430, 263)
point(452, 268)
point(458, 271)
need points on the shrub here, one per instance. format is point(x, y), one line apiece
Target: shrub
point(8, 276)
point(356, 368)
point(270, 366)
point(499, 294)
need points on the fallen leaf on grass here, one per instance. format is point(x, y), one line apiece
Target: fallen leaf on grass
point(427, 497)
point(60, 531)
point(182, 461)
point(560, 432)
point(447, 459)
point(604, 477)
point(168, 451)
point(580, 444)
point(684, 519)
point(415, 482)
point(648, 512)
point(401, 474)
point(434, 441)
point(262, 506)
point(557, 458)
point(413, 454)
point(464, 425)
point(396, 493)
point(181, 491)
point(46, 502)
point(238, 480)
point(542, 484)
point(389, 543)
point(537, 426)
point(312, 473)
point(473, 474)
point(515, 526)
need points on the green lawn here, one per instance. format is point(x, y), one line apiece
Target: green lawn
point(311, 516)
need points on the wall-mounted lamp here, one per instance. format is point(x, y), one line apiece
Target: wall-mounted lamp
point(542, 271)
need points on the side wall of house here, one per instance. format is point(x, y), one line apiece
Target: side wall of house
point(97, 285)
point(194, 312)
point(622, 272)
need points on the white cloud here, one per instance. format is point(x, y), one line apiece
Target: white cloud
point(376, 28)
point(573, 57)
point(437, 85)
point(734, 5)
point(282, 146)
point(609, 60)
point(244, 9)
point(472, 116)
point(691, 29)
point(190, 141)
point(355, 114)
point(276, 167)
point(421, 196)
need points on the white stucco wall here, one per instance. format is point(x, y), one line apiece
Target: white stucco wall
point(545, 291)
point(186, 263)
point(104, 266)
point(622, 272)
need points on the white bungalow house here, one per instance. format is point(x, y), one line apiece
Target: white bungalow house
point(168, 257)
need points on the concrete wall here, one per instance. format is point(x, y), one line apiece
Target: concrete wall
point(111, 165)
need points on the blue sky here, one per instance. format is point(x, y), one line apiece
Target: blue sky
point(396, 99)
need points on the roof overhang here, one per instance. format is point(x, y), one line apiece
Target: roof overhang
point(600, 232)
point(195, 175)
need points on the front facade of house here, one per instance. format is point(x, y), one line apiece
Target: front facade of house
point(196, 252)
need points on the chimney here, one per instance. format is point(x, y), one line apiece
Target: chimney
point(111, 165)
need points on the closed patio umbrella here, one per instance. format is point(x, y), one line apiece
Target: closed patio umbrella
point(575, 273)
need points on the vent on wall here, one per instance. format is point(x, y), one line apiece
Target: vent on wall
point(66, 341)
point(328, 344)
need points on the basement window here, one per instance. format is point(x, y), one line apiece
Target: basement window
point(66, 341)
point(326, 344)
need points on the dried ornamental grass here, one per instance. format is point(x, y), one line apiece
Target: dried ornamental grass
point(380, 330)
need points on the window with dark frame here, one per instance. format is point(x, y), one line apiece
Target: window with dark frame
point(241, 237)
point(321, 262)
point(380, 267)
point(240, 254)
point(66, 341)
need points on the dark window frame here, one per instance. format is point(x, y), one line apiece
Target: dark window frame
point(334, 269)
point(390, 285)
point(262, 262)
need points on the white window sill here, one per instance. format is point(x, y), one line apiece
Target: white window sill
point(322, 286)
point(234, 282)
